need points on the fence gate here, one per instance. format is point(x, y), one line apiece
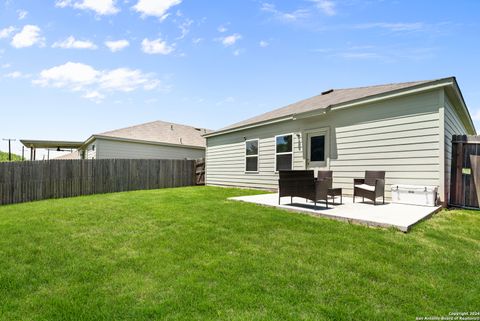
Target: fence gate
point(200, 171)
point(465, 172)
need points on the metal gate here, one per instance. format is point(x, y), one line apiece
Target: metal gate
point(465, 171)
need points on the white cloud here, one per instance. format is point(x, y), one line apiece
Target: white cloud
point(397, 27)
point(197, 41)
point(157, 46)
point(73, 75)
point(387, 54)
point(126, 80)
point(117, 45)
point(22, 14)
point(100, 7)
point(29, 36)
point(94, 95)
point(263, 44)
point(230, 40)
point(72, 43)
point(285, 16)
point(326, 6)
point(185, 28)
point(5, 66)
point(95, 84)
point(63, 3)
point(14, 75)
point(222, 29)
point(155, 8)
point(6, 32)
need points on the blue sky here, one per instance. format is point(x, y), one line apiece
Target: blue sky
point(71, 68)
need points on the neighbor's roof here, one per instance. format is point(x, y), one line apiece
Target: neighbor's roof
point(327, 99)
point(160, 132)
point(72, 155)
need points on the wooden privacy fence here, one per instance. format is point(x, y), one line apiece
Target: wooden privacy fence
point(465, 171)
point(31, 181)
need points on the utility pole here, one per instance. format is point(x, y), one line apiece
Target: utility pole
point(9, 147)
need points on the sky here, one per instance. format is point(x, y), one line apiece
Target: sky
point(72, 68)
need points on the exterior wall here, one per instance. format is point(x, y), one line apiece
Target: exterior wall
point(400, 136)
point(91, 151)
point(119, 149)
point(453, 126)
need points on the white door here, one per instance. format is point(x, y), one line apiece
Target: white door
point(317, 149)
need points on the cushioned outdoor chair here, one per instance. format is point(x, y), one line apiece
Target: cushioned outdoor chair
point(371, 187)
point(302, 183)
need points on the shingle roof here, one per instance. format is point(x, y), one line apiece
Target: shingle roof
point(72, 155)
point(161, 132)
point(331, 97)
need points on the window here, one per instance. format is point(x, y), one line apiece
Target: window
point(251, 155)
point(93, 147)
point(317, 148)
point(284, 152)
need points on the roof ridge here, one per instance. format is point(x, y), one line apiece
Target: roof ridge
point(391, 84)
point(151, 122)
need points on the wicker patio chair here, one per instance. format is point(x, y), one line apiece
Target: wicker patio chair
point(371, 187)
point(325, 174)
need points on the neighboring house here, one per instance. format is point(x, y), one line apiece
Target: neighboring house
point(154, 140)
point(404, 129)
point(73, 155)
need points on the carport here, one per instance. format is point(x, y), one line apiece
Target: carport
point(49, 144)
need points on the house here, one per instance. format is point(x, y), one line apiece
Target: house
point(157, 139)
point(402, 128)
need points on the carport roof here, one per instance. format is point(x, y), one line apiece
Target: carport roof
point(51, 144)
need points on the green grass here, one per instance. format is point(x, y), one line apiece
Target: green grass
point(189, 254)
point(4, 157)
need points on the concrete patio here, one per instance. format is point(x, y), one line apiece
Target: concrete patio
point(400, 216)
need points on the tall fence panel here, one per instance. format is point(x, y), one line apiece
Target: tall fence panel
point(465, 172)
point(30, 181)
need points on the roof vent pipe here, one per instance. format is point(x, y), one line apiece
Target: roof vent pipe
point(171, 127)
point(326, 92)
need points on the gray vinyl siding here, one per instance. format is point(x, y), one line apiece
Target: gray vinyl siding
point(453, 126)
point(400, 136)
point(107, 149)
point(90, 153)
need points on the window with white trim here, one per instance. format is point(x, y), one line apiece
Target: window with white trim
point(283, 152)
point(251, 155)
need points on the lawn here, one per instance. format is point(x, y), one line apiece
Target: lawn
point(190, 254)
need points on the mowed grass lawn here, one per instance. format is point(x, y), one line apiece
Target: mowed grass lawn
point(190, 254)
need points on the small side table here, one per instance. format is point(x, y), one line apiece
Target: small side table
point(332, 192)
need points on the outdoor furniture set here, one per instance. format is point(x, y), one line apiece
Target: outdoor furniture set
point(302, 183)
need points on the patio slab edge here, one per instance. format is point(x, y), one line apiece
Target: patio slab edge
point(402, 228)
